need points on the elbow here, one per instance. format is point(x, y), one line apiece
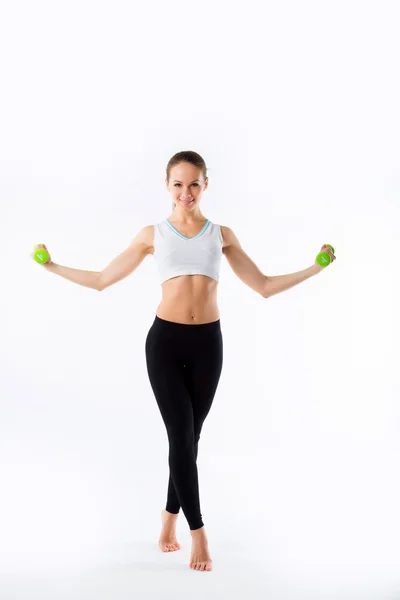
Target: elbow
point(264, 290)
point(100, 284)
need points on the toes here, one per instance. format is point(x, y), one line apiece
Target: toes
point(169, 547)
point(164, 547)
point(200, 566)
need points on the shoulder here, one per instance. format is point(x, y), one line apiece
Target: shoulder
point(228, 237)
point(145, 237)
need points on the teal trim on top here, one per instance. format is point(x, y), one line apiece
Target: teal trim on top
point(205, 226)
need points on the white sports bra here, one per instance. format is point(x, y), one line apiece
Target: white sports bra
point(176, 254)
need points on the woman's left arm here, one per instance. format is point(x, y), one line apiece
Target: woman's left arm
point(250, 274)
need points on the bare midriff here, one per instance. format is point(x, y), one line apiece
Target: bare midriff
point(189, 299)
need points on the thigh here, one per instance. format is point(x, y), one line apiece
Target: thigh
point(202, 375)
point(166, 374)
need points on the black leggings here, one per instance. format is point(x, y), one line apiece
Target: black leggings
point(184, 364)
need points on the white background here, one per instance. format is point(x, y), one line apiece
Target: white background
point(295, 108)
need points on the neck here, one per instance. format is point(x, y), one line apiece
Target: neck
point(180, 216)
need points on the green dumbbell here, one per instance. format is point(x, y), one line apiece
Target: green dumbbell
point(323, 258)
point(41, 256)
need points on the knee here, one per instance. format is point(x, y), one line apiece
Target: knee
point(181, 438)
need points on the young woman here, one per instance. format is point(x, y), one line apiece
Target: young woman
point(184, 348)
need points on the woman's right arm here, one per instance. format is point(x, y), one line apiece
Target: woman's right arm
point(119, 268)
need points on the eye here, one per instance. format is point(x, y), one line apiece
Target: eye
point(196, 184)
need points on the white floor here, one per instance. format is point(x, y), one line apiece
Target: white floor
point(311, 524)
point(245, 569)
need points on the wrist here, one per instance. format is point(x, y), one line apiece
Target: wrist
point(316, 268)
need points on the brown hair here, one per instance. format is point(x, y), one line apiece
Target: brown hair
point(186, 156)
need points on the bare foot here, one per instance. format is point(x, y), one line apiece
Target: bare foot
point(200, 559)
point(168, 541)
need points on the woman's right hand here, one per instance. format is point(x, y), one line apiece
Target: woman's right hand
point(49, 262)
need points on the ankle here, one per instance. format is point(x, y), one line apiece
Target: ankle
point(198, 532)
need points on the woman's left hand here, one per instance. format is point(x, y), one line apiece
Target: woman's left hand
point(329, 251)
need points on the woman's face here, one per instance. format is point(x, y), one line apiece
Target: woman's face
point(186, 186)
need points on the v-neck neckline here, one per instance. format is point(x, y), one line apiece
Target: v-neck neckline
point(184, 236)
